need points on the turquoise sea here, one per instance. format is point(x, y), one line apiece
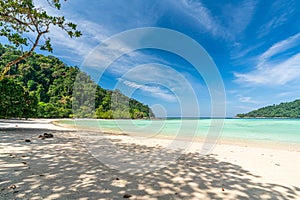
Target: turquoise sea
point(275, 131)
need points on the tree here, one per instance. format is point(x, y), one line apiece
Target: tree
point(21, 18)
point(288, 109)
point(15, 101)
point(46, 90)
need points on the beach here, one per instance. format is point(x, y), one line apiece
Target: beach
point(86, 165)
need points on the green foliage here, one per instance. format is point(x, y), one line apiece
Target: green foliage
point(104, 114)
point(16, 101)
point(287, 110)
point(114, 104)
point(43, 86)
point(84, 96)
point(24, 24)
point(18, 17)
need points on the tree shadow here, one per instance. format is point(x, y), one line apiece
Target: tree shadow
point(20, 121)
point(63, 168)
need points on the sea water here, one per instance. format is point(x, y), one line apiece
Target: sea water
point(285, 131)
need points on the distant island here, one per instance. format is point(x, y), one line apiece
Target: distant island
point(282, 110)
point(42, 87)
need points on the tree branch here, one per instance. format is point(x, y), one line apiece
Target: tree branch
point(24, 56)
point(17, 20)
point(23, 16)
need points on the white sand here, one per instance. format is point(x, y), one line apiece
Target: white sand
point(84, 165)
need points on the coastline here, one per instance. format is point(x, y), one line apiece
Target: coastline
point(64, 167)
point(199, 139)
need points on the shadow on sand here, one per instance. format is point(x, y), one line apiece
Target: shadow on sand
point(62, 168)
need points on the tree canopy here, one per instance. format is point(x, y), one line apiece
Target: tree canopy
point(25, 25)
point(43, 86)
point(288, 110)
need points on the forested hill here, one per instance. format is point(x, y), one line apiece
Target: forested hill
point(42, 87)
point(289, 110)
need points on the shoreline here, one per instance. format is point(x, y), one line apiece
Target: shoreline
point(221, 140)
point(74, 165)
point(126, 136)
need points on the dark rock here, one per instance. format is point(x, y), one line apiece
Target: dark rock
point(41, 137)
point(117, 179)
point(27, 140)
point(12, 187)
point(126, 196)
point(48, 135)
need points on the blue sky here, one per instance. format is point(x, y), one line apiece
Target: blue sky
point(254, 44)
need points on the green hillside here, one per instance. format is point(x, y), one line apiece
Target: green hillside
point(42, 87)
point(288, 110)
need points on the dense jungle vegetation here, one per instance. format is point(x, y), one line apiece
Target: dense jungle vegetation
point(287, 110)
point(43, 87)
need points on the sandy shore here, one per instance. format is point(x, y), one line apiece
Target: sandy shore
point(86, 165)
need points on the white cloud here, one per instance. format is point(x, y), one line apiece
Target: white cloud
point(287, 94)
point(61, 41)
point(268, 72)
point(160, 81)
point(274, 75)
point(105, 54)
point(236, 17)
point(280, 47)
point(280, 12)
point(275, 22)
point(239, 16)
point(154, 91)
point(202, 14)
point(238, 53)
point(243, 109)
point(160, 74)
point(118, 58)
point(92, 33)
point(247, 100)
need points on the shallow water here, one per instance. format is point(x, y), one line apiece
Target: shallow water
point(256, 130)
